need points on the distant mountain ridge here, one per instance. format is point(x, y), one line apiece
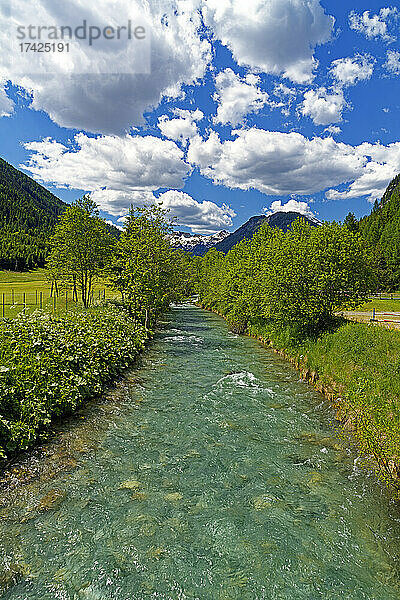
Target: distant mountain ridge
point(24, 202)
point(282, 220)
point(223, 241)
point(196, 244)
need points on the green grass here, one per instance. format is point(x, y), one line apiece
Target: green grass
point(36, 277)
point(14, 285)
point(381, 306)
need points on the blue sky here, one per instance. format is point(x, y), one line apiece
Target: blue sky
point(288, 104)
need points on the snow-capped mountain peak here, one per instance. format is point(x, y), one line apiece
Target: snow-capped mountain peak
point(196, 243)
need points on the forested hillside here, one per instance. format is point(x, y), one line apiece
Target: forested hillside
point(28, 213)
point(382, 230)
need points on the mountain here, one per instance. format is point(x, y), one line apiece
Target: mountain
point(283, 220)
point(196, 244)
point(28, 213)
point(382, 230)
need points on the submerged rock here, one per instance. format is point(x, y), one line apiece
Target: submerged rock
point(314, 479)
point(140, 496)
point(11, 575)
point(14, 573)
point(319, 440)
point(155, 553)
point(173, 497)
point(51, 500)
point(130, 485)
point(263, 502)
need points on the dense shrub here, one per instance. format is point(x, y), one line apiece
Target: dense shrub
point(51, 364)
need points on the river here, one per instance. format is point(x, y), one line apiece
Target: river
point(212, 473)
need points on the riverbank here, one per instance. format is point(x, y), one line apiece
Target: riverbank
point(50, 365)
point(357, 368)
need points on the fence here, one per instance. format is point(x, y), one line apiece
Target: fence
point(394, 317)
point(384, 296)
point(17, 301)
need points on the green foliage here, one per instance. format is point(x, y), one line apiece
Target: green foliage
point(81, 248)
point(287, 288)
point(146, 270)
point(50, 365)
point(28, 214)
point(382, 230)
point(301, 277)
point(351, 222)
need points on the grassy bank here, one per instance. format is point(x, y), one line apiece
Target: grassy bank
point(50, 364)
point(357, 366)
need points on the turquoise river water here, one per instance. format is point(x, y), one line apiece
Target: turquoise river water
point(210, 472)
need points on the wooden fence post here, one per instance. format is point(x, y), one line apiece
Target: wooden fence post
point(24, 302)
point(12, 297)
point(41, 300)
point(4, 308)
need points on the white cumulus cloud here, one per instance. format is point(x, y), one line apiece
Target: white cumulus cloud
point(273, 36)
point(333, 130)
point(350, 70)
point(182, 127)
point(376, 25)
point(322, 106)
point(6, 104)
point(392, 63)
point(202, 217)
point(276, 163)
point(237, 96)
point(383, 166)
point(119, 170)
point(291, 205)
point(115, 102)
point(280, 164)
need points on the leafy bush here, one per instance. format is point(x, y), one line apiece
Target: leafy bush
point(49, 365)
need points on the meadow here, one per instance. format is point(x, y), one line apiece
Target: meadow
point(30, 290)
point(386, 304)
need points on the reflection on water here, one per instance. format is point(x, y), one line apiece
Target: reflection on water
point(212, 474)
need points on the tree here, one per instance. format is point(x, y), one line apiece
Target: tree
point(146, 270)
point(81, 248)
point(299, 278)
point(310, 273)
point(381, 230)
point(351, 222)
